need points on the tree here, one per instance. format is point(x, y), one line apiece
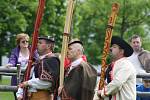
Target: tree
point(92, 20)
point(19, 16)
point(89, 22)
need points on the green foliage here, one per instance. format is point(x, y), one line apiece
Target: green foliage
point(133, 17)
point(19, 16)
point(6, 95)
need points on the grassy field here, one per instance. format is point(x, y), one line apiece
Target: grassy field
point(6, 95)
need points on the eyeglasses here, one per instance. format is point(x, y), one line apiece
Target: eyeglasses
point(24, 42)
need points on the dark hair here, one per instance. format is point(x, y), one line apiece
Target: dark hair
point(52, 44)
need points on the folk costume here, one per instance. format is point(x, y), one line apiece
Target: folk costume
point(123, 85)
point(46, 73)
point(44, 77)
point(80, 80)
point(123, 76)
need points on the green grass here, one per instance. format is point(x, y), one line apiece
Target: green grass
point(6, 95)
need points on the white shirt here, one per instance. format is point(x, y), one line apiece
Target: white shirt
point(123, 85)
point(23, 60)
point(75, 63)
point(135, 61)
point(35, 83)
point(137, 65)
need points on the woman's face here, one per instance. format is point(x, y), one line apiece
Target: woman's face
point(24, 43)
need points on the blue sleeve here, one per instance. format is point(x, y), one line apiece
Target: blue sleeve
point(139, 88)
point(138, 98)
point(13, 58)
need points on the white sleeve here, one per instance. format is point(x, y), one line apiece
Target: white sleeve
point(19, 93)
point(39, 84)
point(121, 76)
point(95, 94)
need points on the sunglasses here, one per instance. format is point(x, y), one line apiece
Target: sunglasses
point(24, 42)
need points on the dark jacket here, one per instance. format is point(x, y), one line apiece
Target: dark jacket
point(80, 83)
point(144, 58)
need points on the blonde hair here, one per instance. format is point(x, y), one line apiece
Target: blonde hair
point(21, 36)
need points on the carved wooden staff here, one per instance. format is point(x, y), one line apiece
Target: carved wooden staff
point(37, 24)
point(66, 34)
point(106, 49)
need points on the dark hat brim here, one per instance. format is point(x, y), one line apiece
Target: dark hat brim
point(47, 38)
point(73, 42)
point(128, 51)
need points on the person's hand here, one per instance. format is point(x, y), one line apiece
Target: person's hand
point(105, 83)
point(60, 89)
point(20, 98)
point(23, 84)
point(99, 93)
point(8, 65)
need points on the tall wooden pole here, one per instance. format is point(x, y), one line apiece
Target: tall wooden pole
point(66, 34)
point(37, 24)
point(106, 49)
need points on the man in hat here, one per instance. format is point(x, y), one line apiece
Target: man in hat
point(45, 72)
point(123, 77)
point(145, 87)
point(80, 79)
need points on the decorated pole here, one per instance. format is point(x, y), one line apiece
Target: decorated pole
point(66, 34)
point(37, 24)
point(106, 49)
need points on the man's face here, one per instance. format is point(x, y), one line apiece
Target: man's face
point(72, 52)
point(136, 44)
point(42, 46)
point(116, 52)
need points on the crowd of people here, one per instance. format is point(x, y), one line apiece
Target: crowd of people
point(127, 60)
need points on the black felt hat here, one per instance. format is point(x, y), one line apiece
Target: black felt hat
point(48, 38)
point(75, 40)
point(123, 44)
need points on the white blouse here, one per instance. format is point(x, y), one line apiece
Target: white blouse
point(23, 60)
